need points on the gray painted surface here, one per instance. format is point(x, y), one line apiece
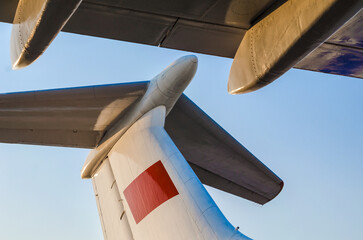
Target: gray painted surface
point(209, 26)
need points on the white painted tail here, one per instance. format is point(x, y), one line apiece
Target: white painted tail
point(145, 189)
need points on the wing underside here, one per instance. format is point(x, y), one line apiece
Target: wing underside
point(210, 27)
point(342, 53)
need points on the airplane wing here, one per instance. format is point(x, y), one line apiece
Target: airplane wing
point(80, 117)
point(341, 54)
point(210, 27)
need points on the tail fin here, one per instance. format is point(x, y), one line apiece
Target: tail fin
point(111, 210)
point(145, 189)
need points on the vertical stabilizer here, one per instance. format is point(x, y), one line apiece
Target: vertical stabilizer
point(159, 192)
point(109, 203)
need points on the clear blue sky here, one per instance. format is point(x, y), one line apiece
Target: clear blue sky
point(307, 127)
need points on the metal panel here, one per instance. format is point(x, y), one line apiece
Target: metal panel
point(120, 24)
point(204, 38)
point(342, 53)
point(215, 154)
point(191, 214)
point(115, 224)
point(335, 59)
point(61, 138)
point(351, 34)
point(238, 13)
point(224, 184)
point(177, 8)
point(74, 117)
point(7, 10)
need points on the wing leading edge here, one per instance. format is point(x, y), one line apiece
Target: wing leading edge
point(79, 117)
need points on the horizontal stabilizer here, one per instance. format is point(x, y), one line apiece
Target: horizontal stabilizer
point(216, 157)
point(80, 117)
point(75, 117)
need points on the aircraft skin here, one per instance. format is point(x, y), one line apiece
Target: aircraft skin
point(164, 89)
point(265, 38)
point(136, 202)
point(144, 187)
point(146, 178)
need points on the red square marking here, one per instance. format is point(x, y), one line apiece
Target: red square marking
point(149, 190)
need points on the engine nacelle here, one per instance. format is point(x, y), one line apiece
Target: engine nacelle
point(283, 38)
point(36, 24)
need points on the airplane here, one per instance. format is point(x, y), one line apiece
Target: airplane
point(162, 186)
point(121, 126)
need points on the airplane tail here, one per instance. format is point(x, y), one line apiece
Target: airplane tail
point(145, 189)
